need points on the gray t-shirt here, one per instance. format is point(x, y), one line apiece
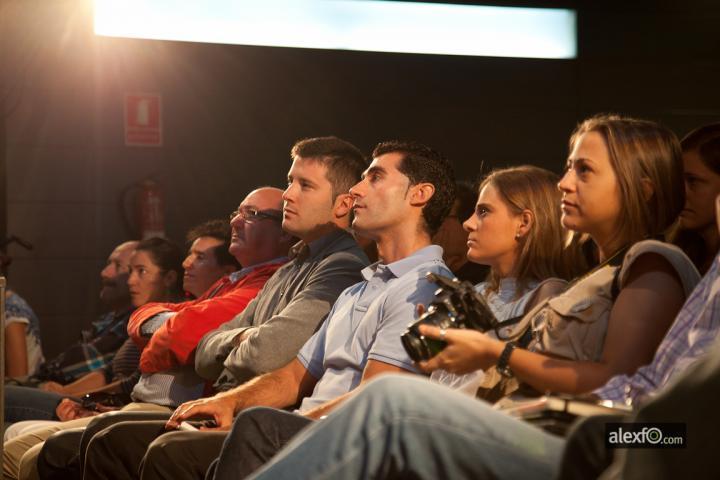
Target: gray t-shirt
point(366, 323)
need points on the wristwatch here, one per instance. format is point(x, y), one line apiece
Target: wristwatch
point(502, 365)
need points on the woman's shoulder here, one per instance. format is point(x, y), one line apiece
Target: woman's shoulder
point(650, 255)
point(547, 288)
point(16, 306)
point(15, 300)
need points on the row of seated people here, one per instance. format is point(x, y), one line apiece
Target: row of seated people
point(23, 345)
point(327, 322)
point(206, 262)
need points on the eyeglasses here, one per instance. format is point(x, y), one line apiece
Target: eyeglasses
point(251, 215)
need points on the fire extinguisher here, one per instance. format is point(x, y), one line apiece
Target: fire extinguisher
point(149, 220)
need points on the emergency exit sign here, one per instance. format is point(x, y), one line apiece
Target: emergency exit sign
point(143, 119)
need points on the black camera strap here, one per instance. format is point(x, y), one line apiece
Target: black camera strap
point(524, 339)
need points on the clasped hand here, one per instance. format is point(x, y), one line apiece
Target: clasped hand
point(220, 407)
point(69, 409)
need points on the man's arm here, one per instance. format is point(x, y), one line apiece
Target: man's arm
point(16, 362)
point(145, 312)
point(276, 341)
point(216, 345)
point(175, 342)
point(372, 369)
point(281, 388)
point(87, 383)
point(386, 354)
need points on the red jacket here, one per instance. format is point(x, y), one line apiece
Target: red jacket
point(173, 344)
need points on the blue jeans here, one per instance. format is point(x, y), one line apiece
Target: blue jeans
point(25, 403)
point(257, 435)
point(403, 426)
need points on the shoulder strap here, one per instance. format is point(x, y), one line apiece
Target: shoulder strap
point(615, 287)
point(546, 289)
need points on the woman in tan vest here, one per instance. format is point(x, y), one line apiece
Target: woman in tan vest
point(621, 189)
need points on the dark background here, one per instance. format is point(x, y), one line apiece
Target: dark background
point(231, 113)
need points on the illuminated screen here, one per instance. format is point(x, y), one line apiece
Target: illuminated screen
point(368, 25)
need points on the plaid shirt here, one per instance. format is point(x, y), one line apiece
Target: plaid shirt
point(95, 350)
point(691, 334)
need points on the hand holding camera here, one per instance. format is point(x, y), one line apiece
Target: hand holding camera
point(456, 306)
point(465, 350)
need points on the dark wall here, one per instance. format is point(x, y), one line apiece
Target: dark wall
point(231, 114)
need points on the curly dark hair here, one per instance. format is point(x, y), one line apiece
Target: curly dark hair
point(220, 230)
point(343, 160)
point(466, 196)
point(422, 164)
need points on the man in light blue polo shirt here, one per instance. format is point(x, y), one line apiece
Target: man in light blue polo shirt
point(365, 325)
point(400, 202)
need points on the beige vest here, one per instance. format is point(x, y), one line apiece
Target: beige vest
point(573, 324)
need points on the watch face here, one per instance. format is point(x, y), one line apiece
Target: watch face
point(505, 372)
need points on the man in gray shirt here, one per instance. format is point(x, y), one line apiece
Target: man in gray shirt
point(402, 199)
point(294, 301)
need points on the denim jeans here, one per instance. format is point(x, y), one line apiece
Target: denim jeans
point(403, 426)
point(257, 435)
point(25, 403)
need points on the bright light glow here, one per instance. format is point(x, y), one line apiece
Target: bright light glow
point(367, 25)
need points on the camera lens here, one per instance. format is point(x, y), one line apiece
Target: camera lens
point(418, 347)
point(414, 346)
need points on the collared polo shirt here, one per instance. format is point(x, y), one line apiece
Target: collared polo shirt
point(366, 323)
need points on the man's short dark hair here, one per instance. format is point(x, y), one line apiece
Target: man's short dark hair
point(422, 164)
point(220, 230)
point(466, 195)
point(343, 160)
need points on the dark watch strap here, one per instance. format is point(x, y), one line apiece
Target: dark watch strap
point(502, 365)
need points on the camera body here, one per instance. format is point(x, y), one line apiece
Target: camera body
point(456, 305)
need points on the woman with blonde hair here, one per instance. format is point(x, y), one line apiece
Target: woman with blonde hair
point(621, 188)
point(520, 206)
point(516, 231)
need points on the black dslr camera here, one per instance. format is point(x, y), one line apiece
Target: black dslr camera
point(456, 305)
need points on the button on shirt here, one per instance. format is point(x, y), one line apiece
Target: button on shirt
point(366, 323)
